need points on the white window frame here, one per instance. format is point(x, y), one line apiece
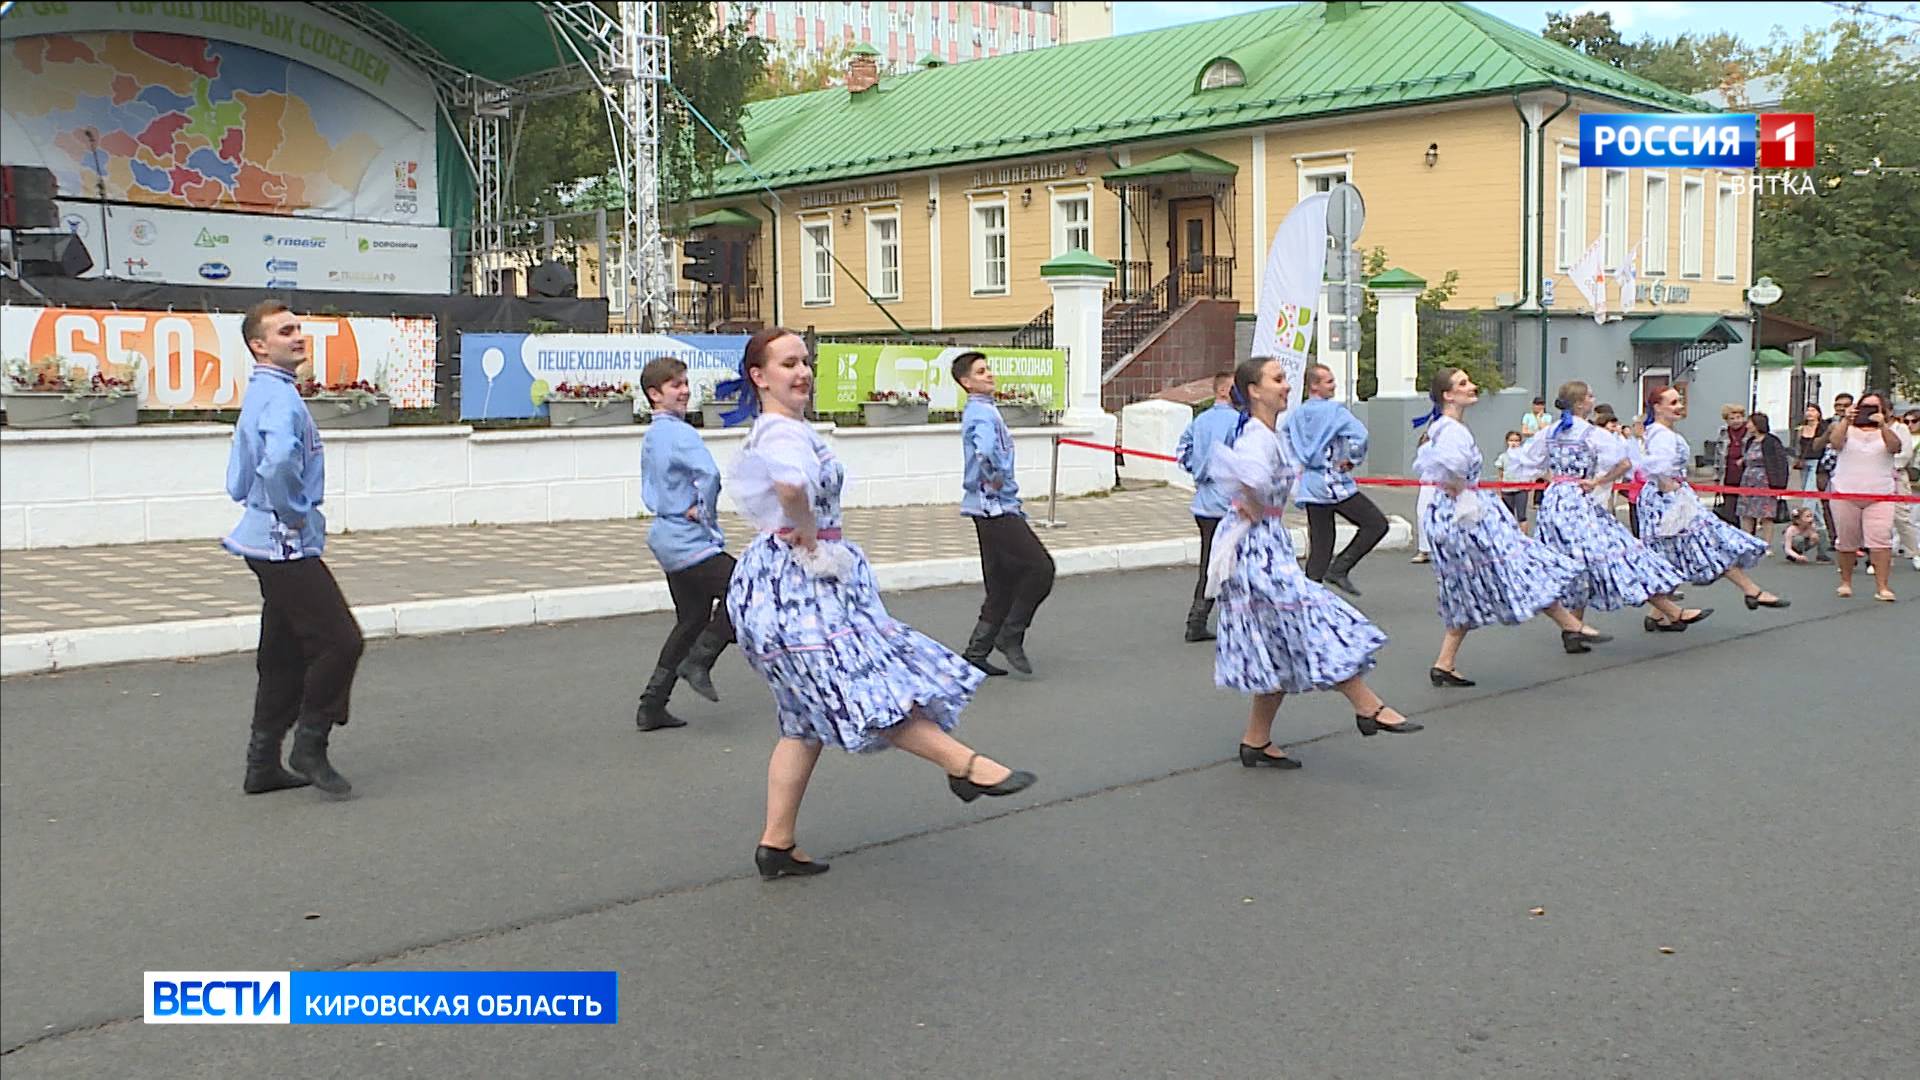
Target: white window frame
point(977, 237)
point(1570, 213)
point(876, 248)
point(1615, 216)
point(1693, 232)
point(1061, 226)
point(1726, 231)
point(1653, 241)
point(616, 271)
point(1338, 163)
point(810, 251)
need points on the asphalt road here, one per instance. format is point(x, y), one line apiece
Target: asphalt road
point(1742, 795)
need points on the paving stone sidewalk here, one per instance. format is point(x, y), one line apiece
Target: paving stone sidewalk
point(63, 589)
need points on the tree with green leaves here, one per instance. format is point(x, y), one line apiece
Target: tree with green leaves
point(1847, 254)
point(787, 75)
point(1685, 63)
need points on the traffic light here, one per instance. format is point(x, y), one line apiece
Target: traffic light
point(708, 262)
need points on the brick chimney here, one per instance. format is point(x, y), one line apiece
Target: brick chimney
point(863, 69)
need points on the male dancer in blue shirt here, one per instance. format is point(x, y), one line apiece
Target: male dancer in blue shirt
point(1329, 441)
point(310, 643)
point(1015, 564)
point(1204, 433)
point(680, 485)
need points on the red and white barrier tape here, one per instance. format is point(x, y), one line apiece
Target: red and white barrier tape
point(1537, 485)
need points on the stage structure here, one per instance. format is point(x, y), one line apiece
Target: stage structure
point(489, 62)
point(485, 63)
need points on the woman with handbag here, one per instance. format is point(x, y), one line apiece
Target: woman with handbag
point(1810, 444)
point(1765, 458)
point(1674, 523)
point(809, 618)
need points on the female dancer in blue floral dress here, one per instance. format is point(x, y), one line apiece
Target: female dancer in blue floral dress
point(1581, 462)
point(1698, 544)
point(1488, 570)
point(1280, 633)
point(809, 618)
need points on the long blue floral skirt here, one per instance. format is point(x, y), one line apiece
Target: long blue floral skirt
point(1281, 633)
point(842, 670)
point(1489, 571)
point(1707, 547)
point(1616, 570)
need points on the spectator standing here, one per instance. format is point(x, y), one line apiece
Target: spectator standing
point(1766, 467)
point(1865, 449)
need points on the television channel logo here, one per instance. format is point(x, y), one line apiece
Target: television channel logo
point(1731, 141)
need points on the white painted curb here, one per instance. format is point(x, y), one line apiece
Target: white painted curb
point(60, 650)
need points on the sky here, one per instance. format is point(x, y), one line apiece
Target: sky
point(1659, 18)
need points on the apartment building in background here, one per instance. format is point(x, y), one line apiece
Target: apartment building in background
point(906, 33)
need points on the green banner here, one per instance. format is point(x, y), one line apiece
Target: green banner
point(845, 375)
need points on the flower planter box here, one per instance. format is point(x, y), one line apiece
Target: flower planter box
point(29, 409)
point(346, 412)
point(893, 413)
point(1024, 415)
point(713, 413)
point(590, 412)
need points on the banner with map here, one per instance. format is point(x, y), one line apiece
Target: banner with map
point(267, 108)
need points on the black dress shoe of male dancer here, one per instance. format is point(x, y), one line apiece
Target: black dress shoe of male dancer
point(979, 646)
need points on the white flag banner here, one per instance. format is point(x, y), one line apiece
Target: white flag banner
point(1591, 280)
point(1291, 289)
point(1628, 277)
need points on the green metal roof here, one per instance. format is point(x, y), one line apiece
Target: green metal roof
point(1096, 94)
point(724, 218)
point(1837, 358)
point(1397, 278)
point(1184, 163)
point(1772, 358)
point(1684, 330)
point(498, 41)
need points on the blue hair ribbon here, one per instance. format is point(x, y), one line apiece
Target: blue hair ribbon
point(748, 404)
point(1422, 421)
point(1566, 421)
point(1650, 417)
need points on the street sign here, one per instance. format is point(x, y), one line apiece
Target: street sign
point(1346, 213)
point(1345, 264)
point(1348, 299)
point(1546, 292)
point(1343, 335)
point(1763, 292)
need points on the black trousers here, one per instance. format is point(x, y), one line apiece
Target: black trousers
point(1017, 569)
point(1370, 525)
point(1208, 526)
point(699, 601)
point(309, 646)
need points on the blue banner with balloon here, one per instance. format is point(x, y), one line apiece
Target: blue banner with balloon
point(508, 376)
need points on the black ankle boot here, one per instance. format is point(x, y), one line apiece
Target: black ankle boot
point(652, 714)
point(980, 646)
point(1197, 620)
point(697, 668)
point(264, 772)
point(309, 759)
point(1012, 644)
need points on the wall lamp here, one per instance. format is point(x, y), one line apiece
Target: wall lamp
point(1433, 154)
point(846, 216)
point(1026, 197)
point(933, 207)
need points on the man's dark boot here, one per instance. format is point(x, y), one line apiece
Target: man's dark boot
point(1197, 620)
point(1337, 577)
point(652, 714)
point(697, 669)
point(980, 645)
point(1012, 643)
point(309, 759)
point(264, 773)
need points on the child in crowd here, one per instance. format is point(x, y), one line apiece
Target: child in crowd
point(1802, 538)
point(1516, 500)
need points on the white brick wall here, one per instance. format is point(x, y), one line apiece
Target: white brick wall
point(166, 482)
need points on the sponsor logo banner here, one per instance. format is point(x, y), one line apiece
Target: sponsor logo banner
point(510, 375)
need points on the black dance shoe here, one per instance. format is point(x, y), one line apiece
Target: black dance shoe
point(1574, 641)
point(1443, 677)
point(779, 862)
point(1665, 626)
point(1371, 725)
point(1256, 757)
point(1338, 579)
point(966, 790)
point(1754, 603)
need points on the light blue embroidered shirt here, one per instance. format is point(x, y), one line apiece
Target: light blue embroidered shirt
point(1208, 431)
point(278, 470)
point(987, 447)
point(678, 474)
point(1325, 483)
